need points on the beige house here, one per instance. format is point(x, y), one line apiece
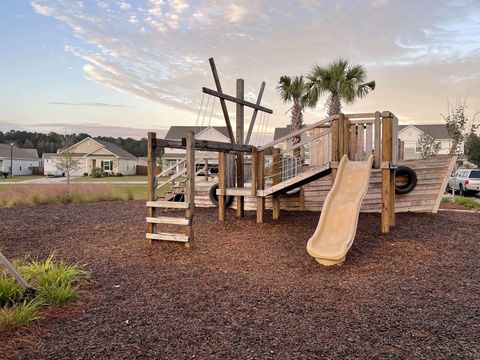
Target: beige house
point(93, 153)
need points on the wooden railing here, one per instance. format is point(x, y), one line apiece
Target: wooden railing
point(355, 135)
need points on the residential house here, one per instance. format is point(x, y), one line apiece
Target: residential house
point(93, 153)
point(212, 133)
point(410, 134)
point(23, 160)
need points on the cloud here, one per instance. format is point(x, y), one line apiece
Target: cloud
point(157, 49)
point(124, 5)
point(236, 13)
point(84, 104)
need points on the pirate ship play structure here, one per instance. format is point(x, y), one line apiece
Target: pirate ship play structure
point(367, 144)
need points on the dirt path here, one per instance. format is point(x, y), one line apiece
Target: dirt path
point(248, 291)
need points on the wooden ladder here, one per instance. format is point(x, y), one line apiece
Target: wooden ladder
point(154, 222)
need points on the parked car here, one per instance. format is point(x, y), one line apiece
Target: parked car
point(465, 181)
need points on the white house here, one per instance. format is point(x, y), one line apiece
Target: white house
point(212, 133)
point(23, 160)
point(93, 153)
point(410, 133)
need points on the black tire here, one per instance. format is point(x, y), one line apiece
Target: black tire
point(214, 198)
point(411, 176)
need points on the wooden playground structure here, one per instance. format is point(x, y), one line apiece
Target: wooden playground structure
point(300, 173)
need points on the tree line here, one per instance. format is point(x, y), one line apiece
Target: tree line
point(51, 142)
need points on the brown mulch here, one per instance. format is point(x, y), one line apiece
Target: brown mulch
point(249, 291)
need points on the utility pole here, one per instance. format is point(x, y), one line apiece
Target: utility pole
point(11, 160)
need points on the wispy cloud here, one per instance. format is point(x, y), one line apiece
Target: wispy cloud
point(85, 104)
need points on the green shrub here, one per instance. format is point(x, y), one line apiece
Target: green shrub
point(10, 290)
point(55, 281)
point(97, 172)
point(470, 203)
point(19, 314)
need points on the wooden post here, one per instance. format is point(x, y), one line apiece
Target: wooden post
point(378, 137)
point(341, 121)
point(402, 150)
point(205, 161)
point(387, 195)
point(346, 135)
point(222, 210)
point(392, 197)
point(276, 178)
point(254, 171)
point(240, 119)
point(260, 186)
point(190, 186)
point(151, 173)
point(302, 198)
point(335, 146)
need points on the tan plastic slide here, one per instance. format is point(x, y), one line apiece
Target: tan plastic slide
point(338, 221)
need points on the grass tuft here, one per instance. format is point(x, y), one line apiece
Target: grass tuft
point(10, 290)
point(55, 281)
point(470, 203)
point(19, 314)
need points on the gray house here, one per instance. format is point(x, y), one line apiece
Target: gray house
point(23, 160)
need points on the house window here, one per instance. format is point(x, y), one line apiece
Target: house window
point(418, 148)
point(107, 165)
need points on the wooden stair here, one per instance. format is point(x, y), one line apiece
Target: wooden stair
point(311, 174)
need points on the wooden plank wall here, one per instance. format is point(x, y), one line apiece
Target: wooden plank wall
point(430, 176)
point(430, 173)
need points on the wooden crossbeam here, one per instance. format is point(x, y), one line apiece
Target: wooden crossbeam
point(222, 101)
point(236, 100)
point(255, 112)
point(205, 145)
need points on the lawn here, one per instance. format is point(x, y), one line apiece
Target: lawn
point(20, 178)
point(251, 291)
point(109, 178)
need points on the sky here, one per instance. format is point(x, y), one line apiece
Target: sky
point(122, 68)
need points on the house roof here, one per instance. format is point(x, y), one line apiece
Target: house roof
point(17, 152)
point(116, 150)
point(284, 131)
point(47, 155)
point(437, 131)
point(281, 132)
point(33, 152)
point(141, 160)
point(113, 148)
point(178, 132)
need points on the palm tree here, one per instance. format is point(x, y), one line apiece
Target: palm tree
point(293, 89)
point(341, 80)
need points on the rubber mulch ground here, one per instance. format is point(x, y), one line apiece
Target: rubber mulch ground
point(248, 291)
